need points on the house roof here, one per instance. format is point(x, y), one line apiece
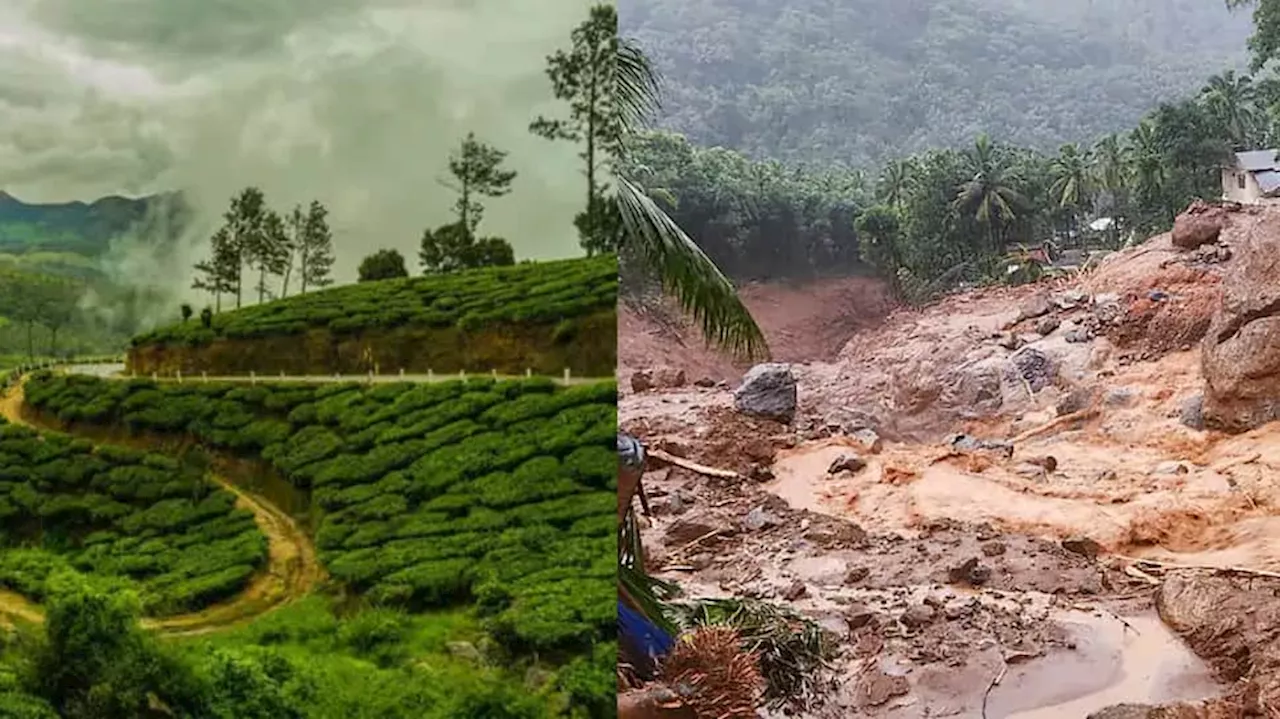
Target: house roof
point(1256, 160)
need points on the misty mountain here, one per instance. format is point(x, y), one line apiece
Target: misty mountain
point(861, 81)
point(77, 227)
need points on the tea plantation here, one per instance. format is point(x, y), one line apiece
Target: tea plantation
point(499, 494)
point(150, 522)
point(529, 293)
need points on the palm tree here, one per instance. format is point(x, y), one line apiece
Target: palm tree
point(894, 181)
point(1072, 187)
point(1232, 100)
point(1110, 169)
point(989, 198)
point(657, 242)
point(1146, 162)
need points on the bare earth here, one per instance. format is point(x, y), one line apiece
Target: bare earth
point(964, 582)
point(291, 572)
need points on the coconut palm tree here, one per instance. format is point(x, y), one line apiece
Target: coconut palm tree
point(1072, 186)
point(894, 181)
point(1232, 100)
point(653, 239)
point(989, 198)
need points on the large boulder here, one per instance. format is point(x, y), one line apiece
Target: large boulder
point(1200, 224)
point(1240, 354)
point(768, 390)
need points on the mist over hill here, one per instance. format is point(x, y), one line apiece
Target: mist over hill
point(861, 81)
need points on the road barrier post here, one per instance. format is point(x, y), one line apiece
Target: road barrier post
point(462, 374)
point(430, 376)
point(566, 375)
point(154, 376)
point(204, 376)
point(178, 374)
point(402, 371)
point(253, 377)
point(494, 372)
point(528, 373)
point(281, 374)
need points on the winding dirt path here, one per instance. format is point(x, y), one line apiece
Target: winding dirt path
point(292, 567)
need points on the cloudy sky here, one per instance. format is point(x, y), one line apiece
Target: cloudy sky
point(356, 103)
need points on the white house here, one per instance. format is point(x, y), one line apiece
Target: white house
point(1253, 179)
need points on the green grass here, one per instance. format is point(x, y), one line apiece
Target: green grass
point(154, 524)
point(538, 292)
point(497, 494)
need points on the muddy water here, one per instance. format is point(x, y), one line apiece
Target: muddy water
point(1111, 664)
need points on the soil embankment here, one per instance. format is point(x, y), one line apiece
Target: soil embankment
point(292, 568)
point(1044, 452)
point(588, 349)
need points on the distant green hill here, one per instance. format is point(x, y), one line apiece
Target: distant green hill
point(72, 227)
point(862, 81)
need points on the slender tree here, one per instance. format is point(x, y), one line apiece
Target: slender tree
point(246, 223)
point(295, 223)
point(315, 249)
point(217, 275)
point(477, 172)
point(584, 76)
point(268, 251)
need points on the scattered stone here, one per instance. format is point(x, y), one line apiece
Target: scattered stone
point(969, 572)
point(701, 561)
point(758, 519)
point(857, 616)
point(959, 608)
point(683, 531)
point(676, 503)
point(1076, 400)
point(1192, 412)
point(918, 615)
point(869, 440)
point(1200, 224)
point(705, 382)
point(1107, 308)
point(641, 381)
point(1010, 341)
point(993, 549)
point(1083, 546)
point(856, 575)
point(1157, 295)
point(760, 473)
point(669, 377)
point(1037, 306)
point(796, 590)
point(835, 625)
point(1119, 397)
point(1078, 335)
point(1047, 325)
point(1048, 462)
point(967, 443)
point(1070, 299)
point(768, 390)
point(873, 688)
point(1171, 467)
point(847, 462)
point(1033, 366)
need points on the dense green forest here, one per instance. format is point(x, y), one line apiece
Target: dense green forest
point(862, 82)
point(930, 220)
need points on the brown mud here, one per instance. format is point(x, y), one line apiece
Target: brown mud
point(1133, 575)
point(292, 569)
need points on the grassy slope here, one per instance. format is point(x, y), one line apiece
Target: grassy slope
point(544, 316)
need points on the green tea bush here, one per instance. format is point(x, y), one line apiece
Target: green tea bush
point(498, 493)
point(536, 292)
point(143, 519)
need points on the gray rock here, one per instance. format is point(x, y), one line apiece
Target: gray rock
point(768, 390)
point(1037, 306)
point(465, 650)
point(847, 462)
point(1046, 326)
point(918, 615)
point(1119, 397)
point(869, 440)
point(1192, 412)
point(758, 519)
point(1033, 366)
point(1083, 546)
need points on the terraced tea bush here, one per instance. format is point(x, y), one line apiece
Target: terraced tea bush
point(151, 522)
point(500, 493)
point(531, 293)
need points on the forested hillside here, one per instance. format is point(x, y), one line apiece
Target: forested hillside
point(862, 81)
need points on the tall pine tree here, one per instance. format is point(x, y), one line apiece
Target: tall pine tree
point(477, 171)
point(584, 77)
point(315, 248)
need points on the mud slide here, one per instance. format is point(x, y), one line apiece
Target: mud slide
point(292, 567)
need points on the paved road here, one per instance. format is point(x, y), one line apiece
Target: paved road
point(116, 371)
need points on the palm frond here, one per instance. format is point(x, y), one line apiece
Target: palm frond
point(637, 86)
point(688, 275)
